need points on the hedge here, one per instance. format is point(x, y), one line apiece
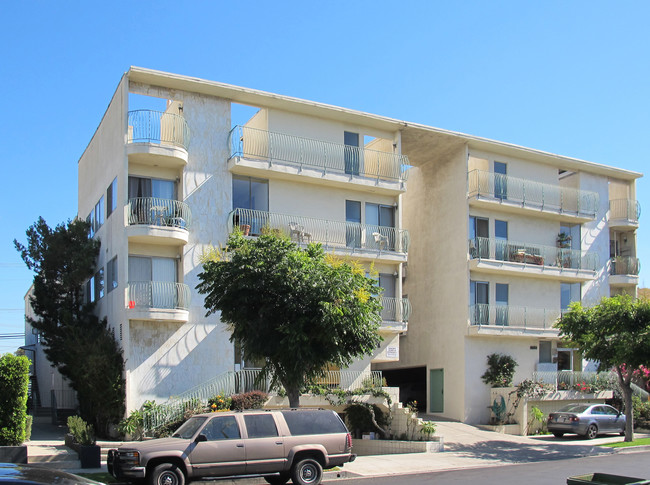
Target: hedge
point(14, 383)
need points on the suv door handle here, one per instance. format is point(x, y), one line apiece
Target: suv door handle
point(240, 445)
point(278, 442)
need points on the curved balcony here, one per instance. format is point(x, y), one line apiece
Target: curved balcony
point(265, 152)
point(512, 320)
point(395, 314)
point(624, 214)
point(157, 137)
point(344, 238)
point(624, 271)
point(158, 300)
point(154, 220)
point(514, 194)
point(491, 255)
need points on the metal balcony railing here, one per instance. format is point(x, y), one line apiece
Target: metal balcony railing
point(148, 126)
point(253, 143)
point(512, 316)
point(627, 209)
point(395, 309)
point(532, 194)
point(566, 379)
point(624, 265)
point(159, 212)
point(332, 234)
point(536, 254)
point(158, 294)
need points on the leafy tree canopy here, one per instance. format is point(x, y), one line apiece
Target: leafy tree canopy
point(297, 309)
point(616, 333)
point(75, 340)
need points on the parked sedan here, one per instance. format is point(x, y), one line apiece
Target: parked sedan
point(588, 420)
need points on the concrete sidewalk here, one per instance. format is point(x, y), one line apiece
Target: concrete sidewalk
point(465, 447)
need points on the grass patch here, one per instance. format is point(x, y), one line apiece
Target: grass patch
point(625, 444)
point(103, 477)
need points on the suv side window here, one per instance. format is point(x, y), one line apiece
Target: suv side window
point(260, 425)
point(221, 428)
point(313, 422)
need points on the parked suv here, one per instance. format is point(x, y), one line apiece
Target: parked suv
point(278, 444)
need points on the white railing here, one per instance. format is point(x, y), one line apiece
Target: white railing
point(158, 294)
point(246, 380)
point(627, 209)
point(567, 379)
point(395, 309)
point(252, 143)
point(512, 316)
point(155, 211)
point(535, 254)
point(332, 234)
point(149, 126)
point(532, 194)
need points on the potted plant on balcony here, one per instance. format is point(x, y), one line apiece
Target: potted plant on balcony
point(84, 442)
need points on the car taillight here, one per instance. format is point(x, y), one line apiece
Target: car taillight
point(348, 441)
point(574, 419)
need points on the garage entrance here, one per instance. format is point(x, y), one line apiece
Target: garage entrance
point(412, 383)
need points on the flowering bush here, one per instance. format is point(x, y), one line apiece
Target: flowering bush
point(220, 402)
point(249, 400)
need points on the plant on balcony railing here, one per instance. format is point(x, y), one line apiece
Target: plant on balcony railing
point(155, 211)
point(532, 194)
point(332, 234)
point(253, 143)
point(149, 126)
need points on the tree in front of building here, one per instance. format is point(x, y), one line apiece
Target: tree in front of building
point(616, 333)
point(296, 309)
point(75, 340)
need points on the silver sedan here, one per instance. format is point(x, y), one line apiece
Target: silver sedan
point(588, 420)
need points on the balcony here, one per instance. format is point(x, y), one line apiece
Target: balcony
point(395, 315)
point(624, 214)
point(158, 300)
point(267, 154)
point(624, 271)
point(499, 256)
point(361, 241)
point(158, 138)
point(152, 220)
point(509, 320)
point(517, 195)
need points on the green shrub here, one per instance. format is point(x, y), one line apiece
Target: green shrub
point(249, 400)
point(14, 382)
point(501, 370)
point(641, 411)
point(81, 431)
point(359, 419)
point(220, 402)
point(28, 427)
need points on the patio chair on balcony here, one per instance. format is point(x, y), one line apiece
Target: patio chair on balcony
point(380, 240)
point(298, 231)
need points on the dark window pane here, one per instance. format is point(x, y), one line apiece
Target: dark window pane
point(260, 425)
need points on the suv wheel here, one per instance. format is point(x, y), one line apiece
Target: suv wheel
point(167, 474)
point(277, 479)
point(307, 472)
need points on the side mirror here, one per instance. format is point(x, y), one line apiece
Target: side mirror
point(200, 438)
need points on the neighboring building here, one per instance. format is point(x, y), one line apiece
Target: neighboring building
point(504, 238)
point(485, 273)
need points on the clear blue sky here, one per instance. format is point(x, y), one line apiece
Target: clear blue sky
point(566, 77)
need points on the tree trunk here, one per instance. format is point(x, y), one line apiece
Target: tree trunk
point(624, 381)
point(294, 397)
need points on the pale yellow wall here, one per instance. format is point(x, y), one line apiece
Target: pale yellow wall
point(521, 228)
point(259, 120)
point(516, 167)
point(527, 292)
point(478, 163)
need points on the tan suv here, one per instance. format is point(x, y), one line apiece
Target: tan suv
point(278, 444)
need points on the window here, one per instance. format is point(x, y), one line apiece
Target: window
point(545, 352)
point(90, 290)
point(501, 299)
point(99, 214)
point(380, 221)
point(353, 223)
point(501, 236)
point(250, 193)
point(500, 180)
point(152, 282)
point(313, 422)
point(387, 281)
point(111, 274)
point(111, 198)
point(569, 292)
point(91, 223)
point(478, 299)
point(221, 428)
point(479, 233)
point(351, 152)
point(260, 426)
point(99, 284)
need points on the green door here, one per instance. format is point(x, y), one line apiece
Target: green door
point(436, 394)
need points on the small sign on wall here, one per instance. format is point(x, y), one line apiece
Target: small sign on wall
point(392, 352)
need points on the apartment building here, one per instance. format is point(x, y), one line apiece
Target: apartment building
point(504, 238)
point(160, 186)
point(488, 245)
